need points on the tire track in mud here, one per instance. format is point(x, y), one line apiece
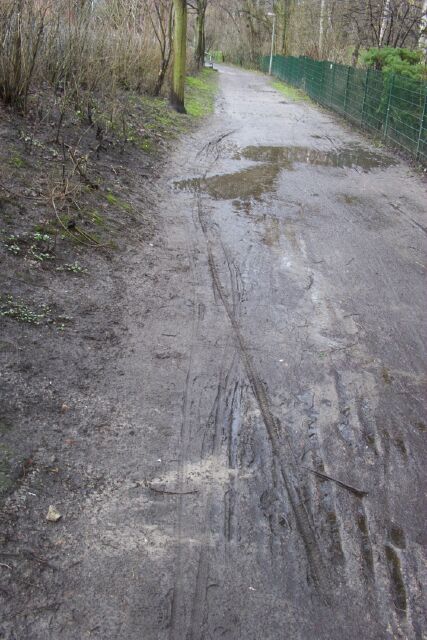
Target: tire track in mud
point(233, 424)
point(324, 493)
point(215, 425)
point(381, 562)
point(177, 616)
point(355, 561)
point(228, 383)
point(176, 623)
point(384, 559)
point(286, 481)
point(223, 424)
point(318, 570)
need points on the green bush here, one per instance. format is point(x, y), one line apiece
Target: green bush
point(395, 60)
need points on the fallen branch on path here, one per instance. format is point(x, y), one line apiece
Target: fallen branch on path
point(172, 493)
point(357, 492)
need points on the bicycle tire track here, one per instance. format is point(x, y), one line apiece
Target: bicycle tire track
point(316, 565)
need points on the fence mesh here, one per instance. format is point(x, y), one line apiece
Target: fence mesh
point(388, 105)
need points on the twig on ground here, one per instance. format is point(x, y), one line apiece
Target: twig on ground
point(310, 282)
point(94, 244)
point(325, 476)
point(348, 346)
point(172, 493)
point(77, 165)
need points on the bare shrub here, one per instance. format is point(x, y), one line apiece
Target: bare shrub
point(22, 25)
point(81, 48)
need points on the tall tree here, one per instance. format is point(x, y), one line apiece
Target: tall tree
point(322, 26)
point(388, 23)
point(284, 11)
point(422, 35)
point(180, 56)
point(200, 7)
point(384, 21)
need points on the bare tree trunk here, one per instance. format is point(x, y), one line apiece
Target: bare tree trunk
point(164, 36)
point(286, 17)
point(384, 21)
point(355, 55)
point(17, 58)
point(252, 18)
point(422, 39)
point(321, 26)
point(200, 34)
point(180, 56)
point(161, 76)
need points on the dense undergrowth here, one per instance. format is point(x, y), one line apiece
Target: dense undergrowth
point(78, 50)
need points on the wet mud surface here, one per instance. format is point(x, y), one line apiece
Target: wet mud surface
point(263, 443)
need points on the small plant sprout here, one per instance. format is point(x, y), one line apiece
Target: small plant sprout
point(75, 267)
point(12, 244)
point(19, 310)
point(40, 249)
point(41, 237)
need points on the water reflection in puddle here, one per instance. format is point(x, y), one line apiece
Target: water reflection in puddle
point(353, 156)
point(251, 183)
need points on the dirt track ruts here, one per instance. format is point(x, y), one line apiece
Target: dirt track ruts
point(275, 328)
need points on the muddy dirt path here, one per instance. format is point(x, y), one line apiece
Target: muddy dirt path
point(264, 441)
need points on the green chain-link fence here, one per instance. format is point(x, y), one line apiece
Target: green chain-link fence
point(391, 106)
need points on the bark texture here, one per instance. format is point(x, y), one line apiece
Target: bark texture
point(180, 55)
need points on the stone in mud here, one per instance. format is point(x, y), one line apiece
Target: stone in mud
point(53, 515)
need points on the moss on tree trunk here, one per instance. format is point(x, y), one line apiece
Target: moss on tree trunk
point(180, 56)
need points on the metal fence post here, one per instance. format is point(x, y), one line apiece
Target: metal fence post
point(368, 93)
point(365, 93)
point(303, 74)
point(322, 83)
point(333, 65)
point(387, 118)
point(346, 89)
point(420, 131)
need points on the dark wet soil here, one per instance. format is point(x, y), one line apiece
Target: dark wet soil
point(250, 461)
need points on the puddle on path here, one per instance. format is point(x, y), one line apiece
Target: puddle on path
point(253, 182)
point(352, 156)
point(250, 183)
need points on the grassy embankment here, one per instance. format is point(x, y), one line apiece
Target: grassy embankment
point(72, 192)
point(290, 92)
point(200, 93)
